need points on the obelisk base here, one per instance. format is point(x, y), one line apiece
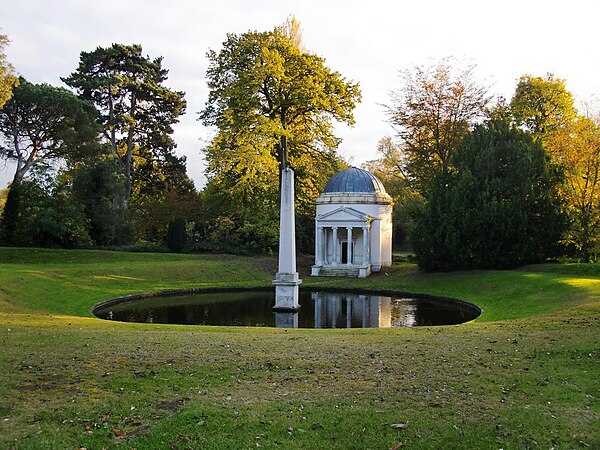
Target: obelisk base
point(286, 292)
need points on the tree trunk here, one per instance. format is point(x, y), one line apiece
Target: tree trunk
point(124, 193)
point(585, 238)
point(129, 154)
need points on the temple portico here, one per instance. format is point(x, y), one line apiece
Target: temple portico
point(343, 242)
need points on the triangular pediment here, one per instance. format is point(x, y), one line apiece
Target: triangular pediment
point(345, 214)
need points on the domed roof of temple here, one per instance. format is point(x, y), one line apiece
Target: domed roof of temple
point(354, 180)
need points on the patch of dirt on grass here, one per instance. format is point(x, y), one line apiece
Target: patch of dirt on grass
point(172, 405)
point(36, 387)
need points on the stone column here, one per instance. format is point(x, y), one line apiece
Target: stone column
point(324, 245)
point(365, 245)
point(318, 260)
point(336, 258)
point(349, 237)
point(286, 280)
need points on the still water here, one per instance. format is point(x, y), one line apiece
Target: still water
point(318, 310)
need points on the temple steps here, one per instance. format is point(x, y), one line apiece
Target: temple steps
point(339, 272)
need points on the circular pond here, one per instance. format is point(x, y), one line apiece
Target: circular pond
point(319, 309)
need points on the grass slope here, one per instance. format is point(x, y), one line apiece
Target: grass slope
point(524, 375)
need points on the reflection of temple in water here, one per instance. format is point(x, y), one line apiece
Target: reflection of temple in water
point(346, 310)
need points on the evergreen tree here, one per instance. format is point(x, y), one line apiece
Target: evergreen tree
point(137, 111)
point(499, 208)
point(176, 235)
point(93, 182)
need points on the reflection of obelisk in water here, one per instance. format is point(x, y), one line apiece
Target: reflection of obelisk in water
point(286, 280)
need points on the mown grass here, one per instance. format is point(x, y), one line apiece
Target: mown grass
point(524, 375)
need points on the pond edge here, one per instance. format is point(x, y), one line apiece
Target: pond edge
point(186, 291)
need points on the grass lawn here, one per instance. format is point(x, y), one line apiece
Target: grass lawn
point(526, 374)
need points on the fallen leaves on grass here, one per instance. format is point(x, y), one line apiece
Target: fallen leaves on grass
point(119, 433)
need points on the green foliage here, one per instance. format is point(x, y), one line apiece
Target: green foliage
point(542, 105)
point(259, 236)
point(498, 209)
point(39, 125)
point(150, 218)
point(274, 104)
point(10, 214)
point(176, 235)
point(49, 216)
point(250, 234)
point(163, 193)
point(161, 176)
point(93, 185)
point(43, 123)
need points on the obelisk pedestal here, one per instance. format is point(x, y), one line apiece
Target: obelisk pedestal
point(286, 280)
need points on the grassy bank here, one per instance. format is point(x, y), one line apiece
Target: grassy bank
point(524, 375)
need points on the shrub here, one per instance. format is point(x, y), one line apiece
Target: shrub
point(176, 235)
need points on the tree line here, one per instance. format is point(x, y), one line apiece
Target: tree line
point(96, 166)
point(477, 182)
point(480, 183)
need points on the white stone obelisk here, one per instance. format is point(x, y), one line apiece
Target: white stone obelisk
point(286, 280)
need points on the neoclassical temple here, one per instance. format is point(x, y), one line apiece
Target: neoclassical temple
point(353, 226)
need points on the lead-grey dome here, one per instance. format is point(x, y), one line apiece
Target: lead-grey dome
point(354, 180)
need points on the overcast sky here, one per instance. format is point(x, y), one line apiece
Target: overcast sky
point(367, 41)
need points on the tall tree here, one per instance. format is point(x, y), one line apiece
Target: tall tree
point(8, 79)
point(432, 112)
point(498, 208)
point(39, 125)
point(136, 110)
point(544, 106)
point(579, 154)
point(274, 104)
